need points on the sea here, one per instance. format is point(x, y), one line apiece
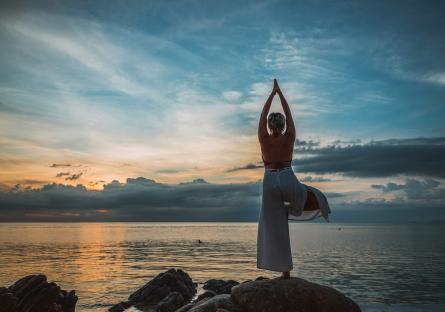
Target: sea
point(383, 267)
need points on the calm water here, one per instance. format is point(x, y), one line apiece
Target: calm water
point(382, 267)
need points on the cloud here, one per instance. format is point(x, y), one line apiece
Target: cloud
point(381, 158)
point(139, 199)
point(414, 189)
point(143, 199)
point(303, 144)
point(438, 78)
point(61, 174)
point(74, 176)
point(315, 179)
point(168, 170)
point(246, 167)
point(232, 95)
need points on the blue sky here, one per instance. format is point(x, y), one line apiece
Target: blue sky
point(100, 91)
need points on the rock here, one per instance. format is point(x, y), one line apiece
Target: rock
point(222, 301)
point(8, 302)
point(164, 283)
point(160, 289)
point(261, 278)
point(222, 310)
point(290, 295)
point(33, 293)
point(120, 307)
point(186, 307)
point(170, 303)
point(206, 294)
point(220, 286)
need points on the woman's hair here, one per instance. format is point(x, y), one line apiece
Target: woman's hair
point(276, 121)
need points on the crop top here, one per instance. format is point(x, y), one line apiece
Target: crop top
point(268, 162)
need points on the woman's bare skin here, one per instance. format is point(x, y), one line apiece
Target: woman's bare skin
point(276, 147)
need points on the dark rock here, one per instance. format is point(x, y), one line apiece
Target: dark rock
point(170, 303)
point(257, 279)
point(120, 307)
point(33, 293)
point(68, 300)
point(8, 302)
point(161, 293)
point(186, 307)
point(220, 286)
point(222, 301)
point(163, 284)
point(290, 295)
point(206, 294)
point(261, 278)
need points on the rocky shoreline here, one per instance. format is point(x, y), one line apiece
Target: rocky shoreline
point(175, 291)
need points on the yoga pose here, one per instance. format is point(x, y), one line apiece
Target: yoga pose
point(281, 187)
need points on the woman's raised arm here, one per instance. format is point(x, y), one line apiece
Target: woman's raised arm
point(290, 127)
point(262, 127)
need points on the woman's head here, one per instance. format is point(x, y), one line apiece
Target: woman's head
point(276, 122)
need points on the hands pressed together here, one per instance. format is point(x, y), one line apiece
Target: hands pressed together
point(276, 87)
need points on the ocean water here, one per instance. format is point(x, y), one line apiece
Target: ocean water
point(381, 267)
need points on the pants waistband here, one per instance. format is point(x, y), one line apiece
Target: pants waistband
point(277, 170)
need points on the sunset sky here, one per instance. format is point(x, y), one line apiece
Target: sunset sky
point(148, 110)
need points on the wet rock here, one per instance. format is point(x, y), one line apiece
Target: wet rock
point(8, 302)
point(170, 303)
point(261, 278)
point(206, 294)
point(186, 307)
point(290, 295)
point(120, 307)
point(220, 286)
point(33, 293)
point(222, 301)
point(159, 288)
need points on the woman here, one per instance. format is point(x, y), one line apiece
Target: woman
point(281, 187)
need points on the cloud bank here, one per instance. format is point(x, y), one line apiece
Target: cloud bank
point(142, 199)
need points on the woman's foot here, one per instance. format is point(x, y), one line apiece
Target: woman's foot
point(285, 275)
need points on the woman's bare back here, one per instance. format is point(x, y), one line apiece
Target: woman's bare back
point(277, 148)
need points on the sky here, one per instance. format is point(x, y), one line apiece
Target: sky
point(148, 110)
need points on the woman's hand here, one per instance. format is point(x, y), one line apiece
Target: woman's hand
point(276, 88)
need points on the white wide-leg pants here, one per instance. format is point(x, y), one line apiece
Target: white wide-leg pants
point(273, 244)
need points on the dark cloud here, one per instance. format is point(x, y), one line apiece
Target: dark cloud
point(314, 179)
point(138, 199)
point(142, 199)
point(60, 165)
point(414, 189)
point(413, 156)
point(389, 187)
point(94, 183)
point(196, 181)
point(74, 176)
point(168, 170)
point(302, 144)
point(355, 141)
point(334, 194)
point(246, 167)
point(61, 174)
